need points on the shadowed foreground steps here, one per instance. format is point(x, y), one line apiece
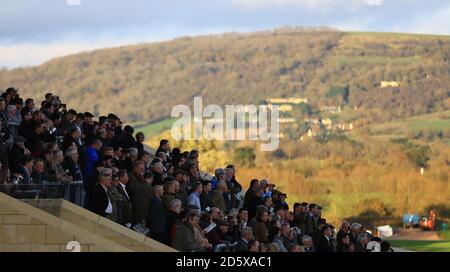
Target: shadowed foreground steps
point(48, 225)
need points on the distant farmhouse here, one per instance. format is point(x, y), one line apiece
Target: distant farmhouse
point(387, 84)
point(285, 104)
point(291, 100)
point(331, 109)
point(282, 108)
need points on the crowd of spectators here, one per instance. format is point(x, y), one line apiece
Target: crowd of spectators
point(162, 195)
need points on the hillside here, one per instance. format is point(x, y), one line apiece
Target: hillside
point(142, 82)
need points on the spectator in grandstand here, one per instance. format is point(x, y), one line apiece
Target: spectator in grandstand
point(279, 199)
point(24, 173)
point(355, 230)
point(343, 230)
point(128, 140)
point(111, 139)
point(29, 104)
point(218, 198)
point(140, 139)
point(163, 158)
point(246, 236)
point(261, 229)
point(140, 192)
point(39, 133)
point(205, 198)
point(17, 153)
point(250, 202)
point(219, 235)
point(156, 218)
point(182, 193)
point(296, 248)
point(253, 246)
point(312, 219)
point(275, 237)
point(70, 164)
point(127, 207)
point(91, 157)
point(194, 174)
point(164, 146)
point(172, 220)
point(324, 243)
point(57, 169)
point(100, 202)
point(6, 134)
point(158, 172)
point(184, 239)
point(13, 119)
point(194, 197)
point(170, 185)
point(234, 187)
point(117, 200)
point(145, 157)
point(308, 243)
point(88, 127)
point(72, 138)
point(219, 175)
point(38, 170)
point(26, 125)
point(343, 244)
point(361, 243)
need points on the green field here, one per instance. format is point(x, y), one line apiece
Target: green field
point(422, 246)
point(435, 121)
point(374, 60)
point(156, 128)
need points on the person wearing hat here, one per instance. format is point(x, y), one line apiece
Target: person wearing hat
point(219, 175)
point(88, 127)
point(279, 199)
point(219, 235)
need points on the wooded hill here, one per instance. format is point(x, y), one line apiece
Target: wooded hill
point(142, 82)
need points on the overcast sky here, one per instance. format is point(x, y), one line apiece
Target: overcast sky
point(34, 31)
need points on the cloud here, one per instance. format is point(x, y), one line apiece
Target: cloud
point(30, 53)
point(15, 54)
point(374, 2)
point(313, 5)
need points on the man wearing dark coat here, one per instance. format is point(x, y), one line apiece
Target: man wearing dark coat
point(156, 218)
point(100, 202)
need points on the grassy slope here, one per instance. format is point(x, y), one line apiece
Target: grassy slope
point(156, 128)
